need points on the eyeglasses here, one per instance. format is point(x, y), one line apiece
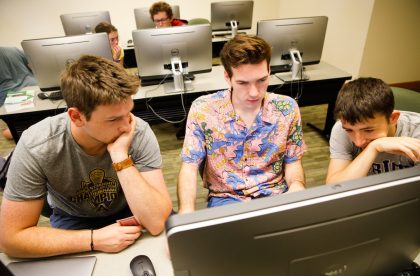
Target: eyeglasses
point(158, 21)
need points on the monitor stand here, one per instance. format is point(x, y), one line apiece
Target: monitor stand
point(297, 73)
point(234, 29)
point(288, 77)
point(179, 84)
point(169, 87)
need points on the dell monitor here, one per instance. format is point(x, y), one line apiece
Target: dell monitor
point(83, 23)
point(144, 21)
point(49, 56)
point(303, 37)
point(369, 226)
point(171, 53)
point(231, 16)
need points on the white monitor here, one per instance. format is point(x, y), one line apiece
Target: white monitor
point(369, 226)
point(226, 13)
point(144, 21)
point(84, 22)
point(305, 34)
point(157, 49)
point(49, 56)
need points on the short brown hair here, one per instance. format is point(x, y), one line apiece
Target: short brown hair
point(244, 49)
point(161, 7)
point(362, 99)
point(92, 81)
point(105, 27)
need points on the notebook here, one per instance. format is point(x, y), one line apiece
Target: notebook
point(70, 266)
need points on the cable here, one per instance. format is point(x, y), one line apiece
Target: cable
point(278, 87)
point(182, 103)
point(299, 82)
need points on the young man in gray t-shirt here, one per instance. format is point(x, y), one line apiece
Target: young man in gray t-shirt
point(96, 163)
point(370, 136)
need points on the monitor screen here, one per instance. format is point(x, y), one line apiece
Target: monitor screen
point(155, 48)
point(224, 12)
point(143, 19)
point(304, 34)
point(83, 23)
point(49, 56)
point(368, 226)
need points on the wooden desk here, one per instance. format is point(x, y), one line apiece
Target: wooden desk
point(322, 88)
point(155, 248)
point(119, 263)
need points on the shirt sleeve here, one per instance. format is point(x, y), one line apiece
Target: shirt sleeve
point(194, 149)
point(295, 145)
point(25, 177)
point(145, 151)
point(340, 144)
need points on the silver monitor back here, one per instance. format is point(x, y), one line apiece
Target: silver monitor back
point(49, 56)
point(84, 22)
point(223, 12)
point(305, 34)
point(369, 226)
point(155, 47)
point(143, 19)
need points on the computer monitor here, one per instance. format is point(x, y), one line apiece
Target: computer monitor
point(84, 22)
point(304, 35)
point(231, 16)
point(143, 19)
point(368, 226)
point(49, 56)
point(162, 51)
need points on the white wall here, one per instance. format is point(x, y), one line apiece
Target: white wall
point(393, 42)
point(23, 19)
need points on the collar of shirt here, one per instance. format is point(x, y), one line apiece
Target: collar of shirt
point(227, 112)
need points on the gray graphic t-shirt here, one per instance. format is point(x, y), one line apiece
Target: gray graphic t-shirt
point(47, 160)
point(341, 147)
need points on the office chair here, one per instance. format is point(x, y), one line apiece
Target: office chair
point(196, 21)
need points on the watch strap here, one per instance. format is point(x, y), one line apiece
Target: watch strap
point(123, 164)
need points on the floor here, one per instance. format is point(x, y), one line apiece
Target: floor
point(315, 160)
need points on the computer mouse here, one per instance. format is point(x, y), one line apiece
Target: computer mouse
point(42, 95)
point(141, 265)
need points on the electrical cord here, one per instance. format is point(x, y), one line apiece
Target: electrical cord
point(299, 83)
point(149, 106)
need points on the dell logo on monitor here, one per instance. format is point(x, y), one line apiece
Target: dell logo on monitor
point(175, 52)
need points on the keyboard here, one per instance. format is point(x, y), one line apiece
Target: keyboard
point(55, 95)
point(156, 81)
point(224, 33)
point(280, 68)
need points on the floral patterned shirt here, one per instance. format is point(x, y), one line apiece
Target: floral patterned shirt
point(240, 162)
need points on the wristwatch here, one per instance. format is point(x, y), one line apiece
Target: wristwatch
point(123, 164)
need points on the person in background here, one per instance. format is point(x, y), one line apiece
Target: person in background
point(370, 137)
point(249, 141)
point(117, 51)
point(15, 74)
point(162, 15)
point(97, 163)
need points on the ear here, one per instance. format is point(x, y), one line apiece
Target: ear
point(394, 117)
point(76, 116)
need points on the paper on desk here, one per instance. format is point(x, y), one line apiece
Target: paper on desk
point(17, 100)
